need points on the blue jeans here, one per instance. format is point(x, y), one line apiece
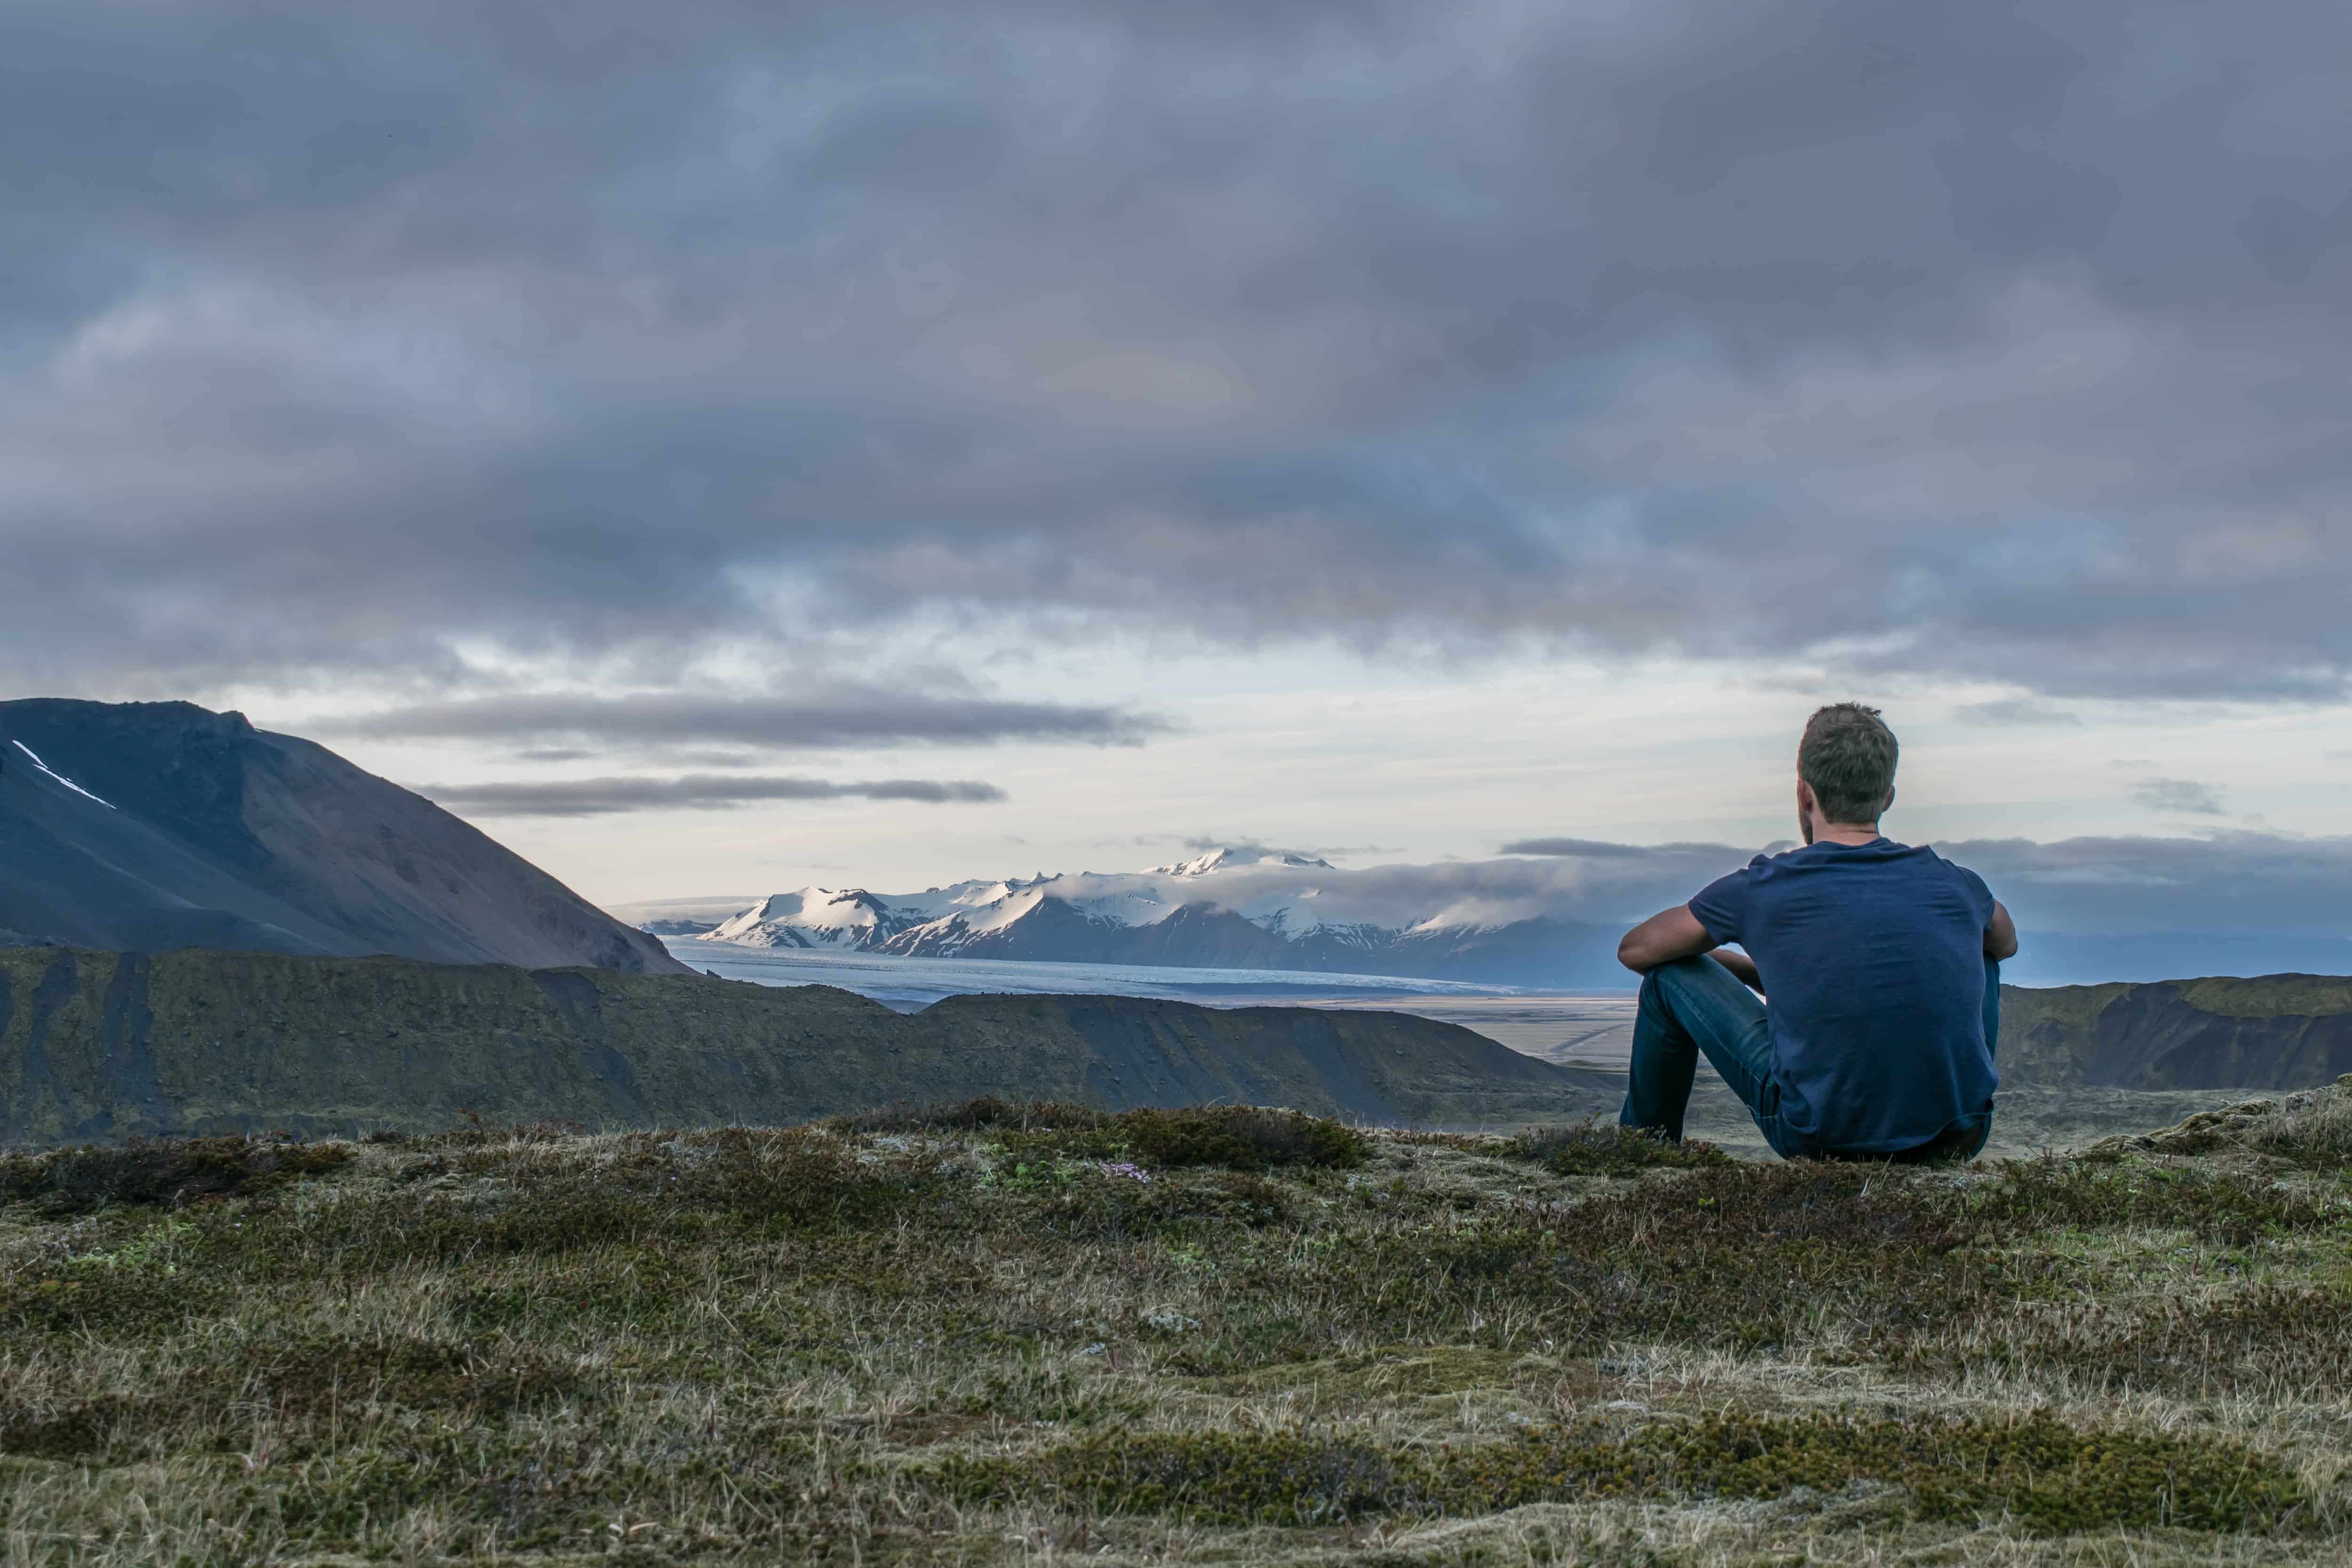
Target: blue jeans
point(1696, 1005)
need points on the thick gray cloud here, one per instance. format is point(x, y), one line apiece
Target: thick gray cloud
point(695, 792)
point(851, 717)
point(1975, 336)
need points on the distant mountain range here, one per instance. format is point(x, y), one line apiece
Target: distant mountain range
point(149, 826)
point(1232, 907)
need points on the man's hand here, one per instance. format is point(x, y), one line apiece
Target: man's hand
point(1743, 968)
point(1662, 938)
point(2000, 936)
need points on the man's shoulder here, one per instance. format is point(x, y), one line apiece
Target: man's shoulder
point(1929, 856)
point(1878, 860)
point(1922, 867)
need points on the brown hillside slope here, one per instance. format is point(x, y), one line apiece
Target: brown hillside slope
point(98, 1045)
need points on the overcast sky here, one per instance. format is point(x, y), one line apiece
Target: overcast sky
point(723, 446)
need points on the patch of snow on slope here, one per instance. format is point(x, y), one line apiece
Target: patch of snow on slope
point(58, 776)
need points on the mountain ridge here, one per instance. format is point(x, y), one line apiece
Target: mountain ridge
point(2273, 1031)
point(1225, 908)
point(156, 825)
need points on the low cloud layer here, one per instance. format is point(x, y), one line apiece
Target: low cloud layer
point(1979, 338)
point(2182, 796)
point(1593, 850)
point(695, 792)
point(853, 717)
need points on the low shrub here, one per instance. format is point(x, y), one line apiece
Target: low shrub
point(309, 1376)
point(1239, 1137)
point(166, 1170)
point(1735, 1257)
point(1592, 1148)
point(1236, 1137)
point(300, 1380)
point(2225, 1205)
point(2054, 1477)
point(1094, 1211)
point(2284, 1338)
point(75, 1297)
point(988, 1113)
point(526, 1197)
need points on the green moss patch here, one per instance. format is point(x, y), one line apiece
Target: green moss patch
point(2054, 1477)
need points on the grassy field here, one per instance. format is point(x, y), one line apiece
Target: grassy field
point(1008, 1334)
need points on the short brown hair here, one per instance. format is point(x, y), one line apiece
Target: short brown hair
point(1848, 756)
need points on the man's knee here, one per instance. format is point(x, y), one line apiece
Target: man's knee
point(1659, 984)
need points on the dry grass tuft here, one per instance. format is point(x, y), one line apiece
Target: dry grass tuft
point(2314, 1129)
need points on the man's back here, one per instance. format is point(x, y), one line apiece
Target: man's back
point(1873, 956)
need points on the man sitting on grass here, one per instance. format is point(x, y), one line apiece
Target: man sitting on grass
point(1883, 963)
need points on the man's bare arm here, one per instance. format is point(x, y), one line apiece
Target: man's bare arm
point(1676, 934)
point(2000, 936)
point(1662, 938)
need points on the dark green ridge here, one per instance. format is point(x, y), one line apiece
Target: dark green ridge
point(2275, 1032)
point(108, 1045)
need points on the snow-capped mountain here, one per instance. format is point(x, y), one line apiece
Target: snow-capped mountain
point(1213, 861)
point(1238, 907)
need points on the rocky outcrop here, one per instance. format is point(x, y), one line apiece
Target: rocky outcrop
point(102, 1045)
point(2312, 1125)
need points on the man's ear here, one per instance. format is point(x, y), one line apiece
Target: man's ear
point(1805, 802)
point(1888, 804)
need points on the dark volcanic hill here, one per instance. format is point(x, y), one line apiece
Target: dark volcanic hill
point(2279, 1032)
point(148, 827)
point(102, 1045)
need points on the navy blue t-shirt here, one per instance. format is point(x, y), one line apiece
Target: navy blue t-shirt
point(1872, 958)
